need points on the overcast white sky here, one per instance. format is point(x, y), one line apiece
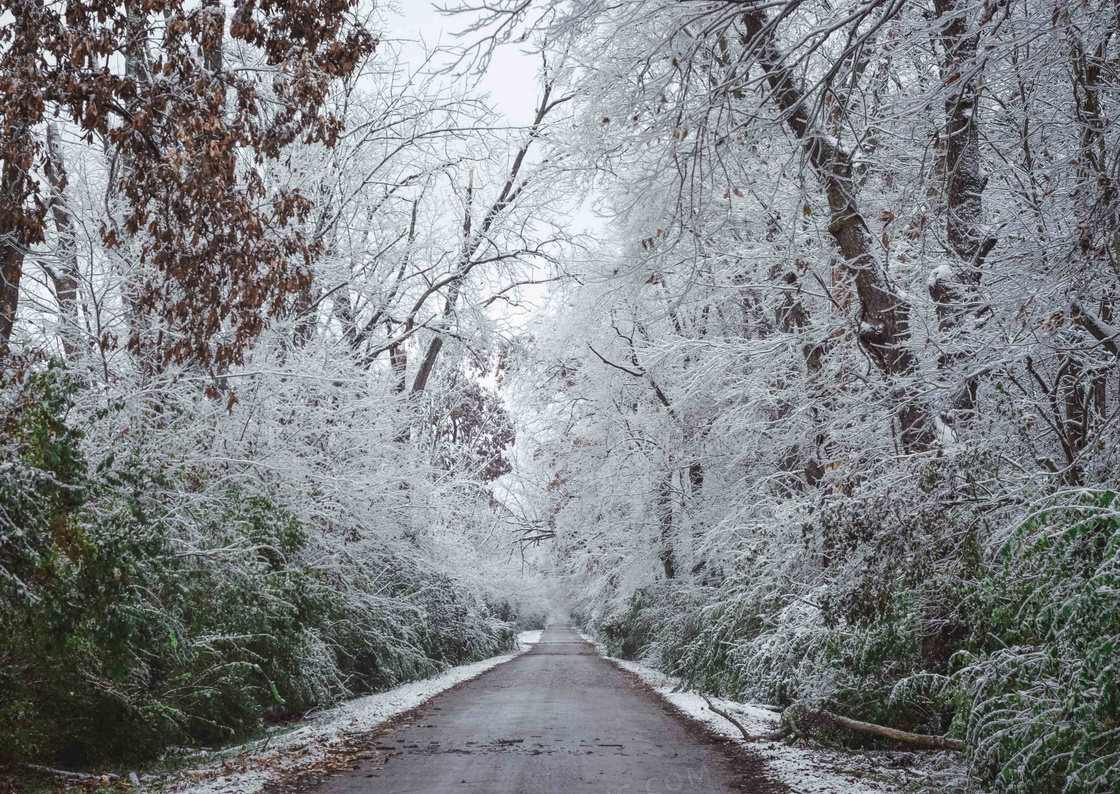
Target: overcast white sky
point(513, 85)
point(512, 78)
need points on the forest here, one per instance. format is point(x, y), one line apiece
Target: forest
point(777, 340)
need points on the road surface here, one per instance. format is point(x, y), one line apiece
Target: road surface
point(556, 719)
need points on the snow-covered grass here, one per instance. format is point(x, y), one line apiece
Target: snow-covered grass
point(804, 768)
point(305, 746)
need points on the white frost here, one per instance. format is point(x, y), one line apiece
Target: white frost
point(938, 274)
point(527, 639)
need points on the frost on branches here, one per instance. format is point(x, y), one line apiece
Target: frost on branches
point(250, 414)
point(830, 418)
point(824, 414)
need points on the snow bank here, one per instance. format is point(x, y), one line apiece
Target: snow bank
point(805, 769)
point(307, 746)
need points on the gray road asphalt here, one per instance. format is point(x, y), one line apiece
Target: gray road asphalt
point(556, 719)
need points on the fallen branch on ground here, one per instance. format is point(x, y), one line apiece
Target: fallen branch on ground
point(771, 736)
point(46, 770)
point(845, 723)
point(920, 739)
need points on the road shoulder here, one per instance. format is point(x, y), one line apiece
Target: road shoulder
point(329, 742)
point(803, 768)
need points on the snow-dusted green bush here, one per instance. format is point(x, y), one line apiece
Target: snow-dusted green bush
point(1023, 665)
point(1044, 693)
point(141, 607)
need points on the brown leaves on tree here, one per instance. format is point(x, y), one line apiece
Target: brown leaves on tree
point(188, 140)
point(473, 428)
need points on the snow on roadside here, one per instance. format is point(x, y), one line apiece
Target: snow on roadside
point(527, 639)
point(307, 745)
point(805, 769)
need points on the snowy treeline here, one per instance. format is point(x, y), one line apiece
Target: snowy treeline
point(249, 419)
point(831, 418)
point(827, 417)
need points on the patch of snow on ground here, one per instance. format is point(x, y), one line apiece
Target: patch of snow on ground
point(527, 639)
point(301, 747)
point(805, 769)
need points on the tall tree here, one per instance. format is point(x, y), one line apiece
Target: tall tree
point(192, 137)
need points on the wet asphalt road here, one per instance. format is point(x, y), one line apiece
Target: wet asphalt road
point(556, 719)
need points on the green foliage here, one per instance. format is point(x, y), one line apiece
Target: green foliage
point(1014, 647)
point(629, 635)
point(41, 479)
point(1045, 713)
point(141, 609)
point(42, 474)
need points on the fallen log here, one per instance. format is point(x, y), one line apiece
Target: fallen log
point(848, 724)
point(920, 739)
point(62, 773)
point(771, 736)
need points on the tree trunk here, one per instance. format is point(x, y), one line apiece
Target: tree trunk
point(213, 33)
point(665, 522)
point(955, 291)
point(136, 66)
point(1100, 235)
point(883, 313)
point(64, 274)
point(1071, 386)
point(965, 183)
point(427, 365)
point(11, 252)
point(398, 361)
point(306, 312)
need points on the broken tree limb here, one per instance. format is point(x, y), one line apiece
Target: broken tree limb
point(771, 736)
point(922, 740)
point(62, 773)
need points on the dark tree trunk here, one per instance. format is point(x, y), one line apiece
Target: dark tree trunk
point(213, 35)
point(424, 373)
point(665, 522)
point(956, 294)
point(883, 311)
point(11, 251)
point(64, 275)
point(964, 180)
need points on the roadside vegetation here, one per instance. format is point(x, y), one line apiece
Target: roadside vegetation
point(782, 337)
point(830, 420)
point(249, 424)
